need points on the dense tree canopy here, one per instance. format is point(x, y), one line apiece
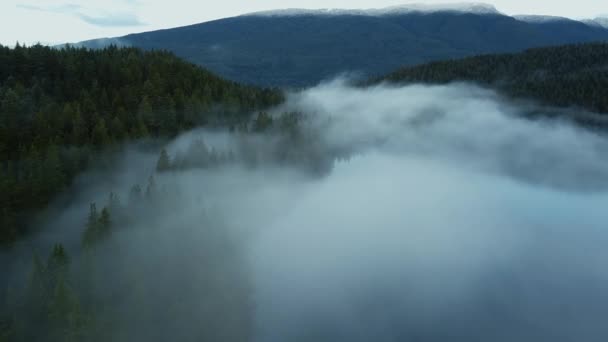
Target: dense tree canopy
point(58, 106)
point(573, 75)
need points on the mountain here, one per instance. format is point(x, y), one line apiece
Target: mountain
point(598, 22)
point(302, 47)
point(566, 76)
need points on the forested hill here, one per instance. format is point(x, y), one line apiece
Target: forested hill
point(59, 106)
point(565, 76)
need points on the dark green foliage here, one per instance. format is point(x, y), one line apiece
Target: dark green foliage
point(58, 263)
point(91, 232)
point(98, 227)
point(59, 106)
point(574, 75)
point(49, 309)
point(262, 122)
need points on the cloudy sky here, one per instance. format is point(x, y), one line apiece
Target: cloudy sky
point(57, 21)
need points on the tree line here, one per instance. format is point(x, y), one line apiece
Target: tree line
point(564, 76)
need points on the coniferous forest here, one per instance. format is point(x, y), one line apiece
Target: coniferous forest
point(59, 107)
point(63, 110)
point(563, 76)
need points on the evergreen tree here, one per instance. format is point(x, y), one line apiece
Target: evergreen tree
point(105, 224)
point(151, 188)
point(54, 177)
point(135, 194)
point(66, 320)
point(35, 305)
point(79, 130)
point(100, 136)
point(91, 232)
point(164, 163)
point(262, 122)
point(58, 264)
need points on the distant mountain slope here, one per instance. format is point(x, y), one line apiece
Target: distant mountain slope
point(303, 47)
point(566, 76)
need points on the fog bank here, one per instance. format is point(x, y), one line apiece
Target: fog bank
point(441, 213)
point(456, 219)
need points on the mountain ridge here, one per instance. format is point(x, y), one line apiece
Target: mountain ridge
point(295, 48)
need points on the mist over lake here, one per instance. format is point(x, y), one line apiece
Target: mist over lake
point(421, 212)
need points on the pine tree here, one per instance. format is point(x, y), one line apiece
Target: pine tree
point(62, 300)
point(262, 122)
point(33, 317)
point(151, 188)
point(118, 129)
point(164, 163)
point(92, 227)
point(54, 177)
point(113, 202)
point(67, 322)
point(58, 264)
point(135, 194)
point(140, 130)
point(146, 113)
point(105, 224)
point(100, 136)
point(79, 130)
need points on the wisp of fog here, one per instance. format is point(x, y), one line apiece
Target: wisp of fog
point(446, 214)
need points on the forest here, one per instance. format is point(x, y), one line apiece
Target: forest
point(61, 107)
point(101, 282)
point(564, 76)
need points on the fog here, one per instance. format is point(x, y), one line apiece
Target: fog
point(445, 214)
point(457, 220)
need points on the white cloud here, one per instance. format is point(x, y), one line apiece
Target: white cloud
point(94, 17)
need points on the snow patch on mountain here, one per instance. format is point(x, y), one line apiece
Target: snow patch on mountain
point(540, 18)
point(598, 22)
point(474, 8)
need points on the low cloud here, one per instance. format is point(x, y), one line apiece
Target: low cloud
point(112, 20)
point(91, 16)
point(65, 8)
point(456, 218)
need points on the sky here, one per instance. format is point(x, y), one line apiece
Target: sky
point(59, 21)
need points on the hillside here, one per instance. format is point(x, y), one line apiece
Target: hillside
point(58, 108)
point(565, 76)
point(296, 48)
